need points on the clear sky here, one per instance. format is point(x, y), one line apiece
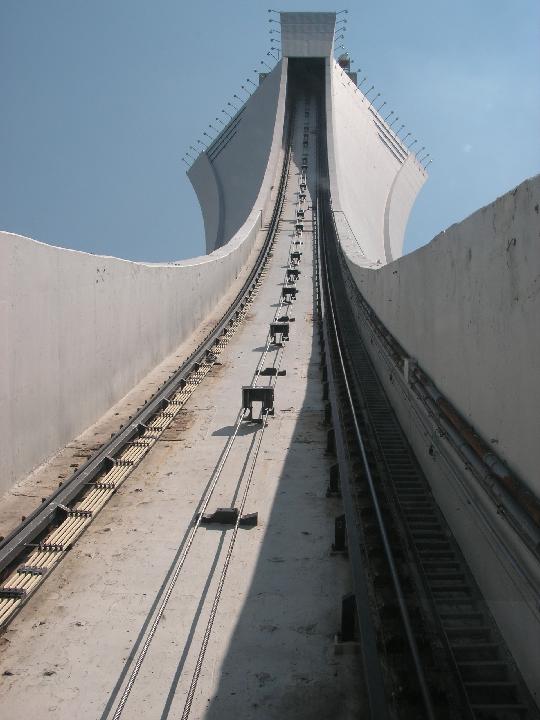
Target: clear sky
point(100, 100)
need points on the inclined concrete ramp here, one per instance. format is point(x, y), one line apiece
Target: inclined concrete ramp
point(68, 654)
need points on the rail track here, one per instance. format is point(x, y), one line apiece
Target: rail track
point(30, 553)
point(430, 645)
point(266, 375)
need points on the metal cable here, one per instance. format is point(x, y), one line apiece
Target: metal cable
point(216, 475)
point(226, 564)
point(217, 597)
point(176, 573)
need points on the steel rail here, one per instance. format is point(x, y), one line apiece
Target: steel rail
point(213, 481)
point(373, 675)
point(226, 564)
point(331, 328)
point(504, 488)
point(37, 522)
point(223, 576)
point(177, 570)
point(400, 596)
point(216, 474)
point(453, 608)
point(373, 671)
point(219, 590)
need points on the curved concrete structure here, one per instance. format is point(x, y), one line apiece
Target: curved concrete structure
point(466, 307)
point(80, 330)
point(232, 178)
point(374, 179)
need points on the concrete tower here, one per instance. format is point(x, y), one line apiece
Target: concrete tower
point(374, 178)
point(305, 195)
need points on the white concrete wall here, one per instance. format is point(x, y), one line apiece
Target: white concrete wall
point(78, 331)
point(467, 307)
point(233, 177)
point(374, 180)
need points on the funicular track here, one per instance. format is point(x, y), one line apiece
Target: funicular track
point(268, 366)
point(429, 642)
point(34, 549)
point(100, 479)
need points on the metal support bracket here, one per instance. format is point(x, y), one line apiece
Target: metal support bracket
point(295, 257)
point(8, 593)
point(289, 292)
point(348, 618)
point(279, 332)
point(333, 489)
point(264, 395)
point(409, 366)
point(31, 570)
point(340, 535)
point(272, 372)
point(292, 274)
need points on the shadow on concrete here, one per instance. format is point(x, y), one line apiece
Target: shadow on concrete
point(246, 428)
point(281, 661)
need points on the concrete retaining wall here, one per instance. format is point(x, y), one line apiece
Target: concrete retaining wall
point(467, 307)
point(78, 331)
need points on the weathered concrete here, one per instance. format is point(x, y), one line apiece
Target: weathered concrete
point(466, 306)
point(271, 654)
point(26, 495)
point(79, 331)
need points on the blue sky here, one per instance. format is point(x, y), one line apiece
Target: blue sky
point(101, 99)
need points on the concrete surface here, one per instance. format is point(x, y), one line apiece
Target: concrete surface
point(233, 177)
point(26, 494)
point(78, 331)
point(374, 180)
point(307, 34)
point(467, 307)
point(271, 653)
